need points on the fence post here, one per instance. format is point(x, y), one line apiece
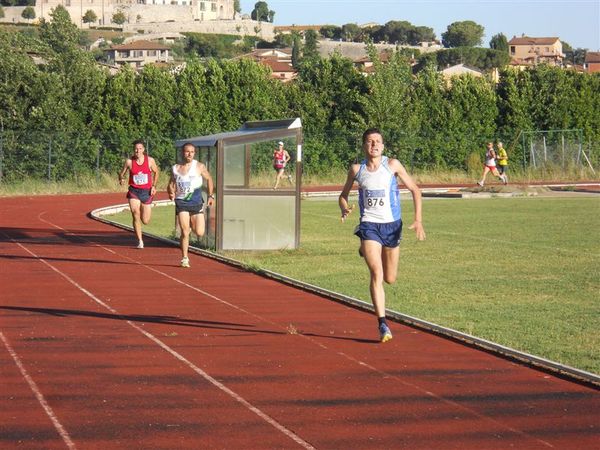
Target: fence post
point(1, 153)
point(98, 163)
point(49, 160)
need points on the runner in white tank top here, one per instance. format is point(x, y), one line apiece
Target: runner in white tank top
point(379, 197)
point(185, 188)
point(380, 224)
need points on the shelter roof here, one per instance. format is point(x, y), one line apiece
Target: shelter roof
point(247, 130)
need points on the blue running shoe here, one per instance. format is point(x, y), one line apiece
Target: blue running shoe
point(384, 333)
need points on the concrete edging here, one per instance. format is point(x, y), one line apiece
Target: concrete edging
point(536, 362)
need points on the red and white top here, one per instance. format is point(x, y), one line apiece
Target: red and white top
point(140, 175)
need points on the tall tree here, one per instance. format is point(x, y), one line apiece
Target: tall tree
point(463, 34)
point(28, 13)
point(575, 56)
point(119, 18)
point(331, 31)
point(499, 42)
point(389, 104)
point(351, 32)
point(60, 33)
point(261, 12)
point(311, 51)
point(296, 50)
point(90, 16)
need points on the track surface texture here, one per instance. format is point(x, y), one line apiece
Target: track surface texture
point(105, 346)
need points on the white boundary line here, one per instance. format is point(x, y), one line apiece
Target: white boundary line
point(290, 434)
point(536, 362)
point(297, 284)
point(40, 397)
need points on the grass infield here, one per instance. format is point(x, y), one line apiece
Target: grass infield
point(522, 272)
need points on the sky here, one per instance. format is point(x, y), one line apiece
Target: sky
point(576, 22)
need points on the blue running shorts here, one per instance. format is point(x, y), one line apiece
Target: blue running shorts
point(387, 234)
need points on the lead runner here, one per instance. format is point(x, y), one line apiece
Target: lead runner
point(380, 227)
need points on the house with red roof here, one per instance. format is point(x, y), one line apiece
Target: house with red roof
point(138, 54)
point(592, 62)
point(528, 51)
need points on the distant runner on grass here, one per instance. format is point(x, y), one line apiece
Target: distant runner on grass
point(143, 176)
point(380, 228)
point(490, 165)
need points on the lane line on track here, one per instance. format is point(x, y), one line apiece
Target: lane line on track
point(319, 344)
point(38, 394)
point(290, 434)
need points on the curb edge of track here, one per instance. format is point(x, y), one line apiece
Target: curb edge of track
point(545, 365)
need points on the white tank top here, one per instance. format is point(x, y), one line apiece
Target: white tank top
point(379, 197)
point(188, 185)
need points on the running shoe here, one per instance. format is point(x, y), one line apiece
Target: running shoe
point(384, 333)
point(185, 262)
point(140, 244)
point(480, 183)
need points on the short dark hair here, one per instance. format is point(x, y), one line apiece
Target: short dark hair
point(369, 131)
point(138, 141)
point(188, 144)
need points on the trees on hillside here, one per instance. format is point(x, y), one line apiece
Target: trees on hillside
point(28, 13)
point(119, 18)
point(262, 13)
point(90, 16)
point(499, 42)
point(83, 113)
point(463, 34)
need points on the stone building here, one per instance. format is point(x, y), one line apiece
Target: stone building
point(136, 11)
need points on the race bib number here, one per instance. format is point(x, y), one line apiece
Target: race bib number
point(184, 187)
point(374, 198)
point(140, 179)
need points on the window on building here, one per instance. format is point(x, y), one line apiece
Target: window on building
point(138, 53)
point(512, 49)
point(202, 6)
point(213, 7)
point(123, 54)
point(151, 52)
point(67, 2)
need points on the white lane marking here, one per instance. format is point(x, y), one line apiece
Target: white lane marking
point(180, 357)
point(40, 398)
point(325, 347)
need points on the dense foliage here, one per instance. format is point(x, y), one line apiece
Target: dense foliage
point(394, 32)
point(71, 113)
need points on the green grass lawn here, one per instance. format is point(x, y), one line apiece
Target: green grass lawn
point(522, 272)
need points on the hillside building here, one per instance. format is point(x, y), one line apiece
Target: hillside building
point(528, 51)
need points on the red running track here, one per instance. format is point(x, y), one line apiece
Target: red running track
point(105, 346)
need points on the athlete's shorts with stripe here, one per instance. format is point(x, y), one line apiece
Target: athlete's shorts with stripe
point(143, 195)
point(193, 209)
point(387, 234)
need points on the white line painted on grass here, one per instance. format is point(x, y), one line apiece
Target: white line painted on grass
point(290, 434)
point(40, 398)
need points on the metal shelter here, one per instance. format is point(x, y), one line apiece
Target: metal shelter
point(249, 214)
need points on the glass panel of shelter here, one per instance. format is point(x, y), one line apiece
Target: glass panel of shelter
point(252, 165)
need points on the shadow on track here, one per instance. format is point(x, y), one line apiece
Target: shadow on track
point(169, 320)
